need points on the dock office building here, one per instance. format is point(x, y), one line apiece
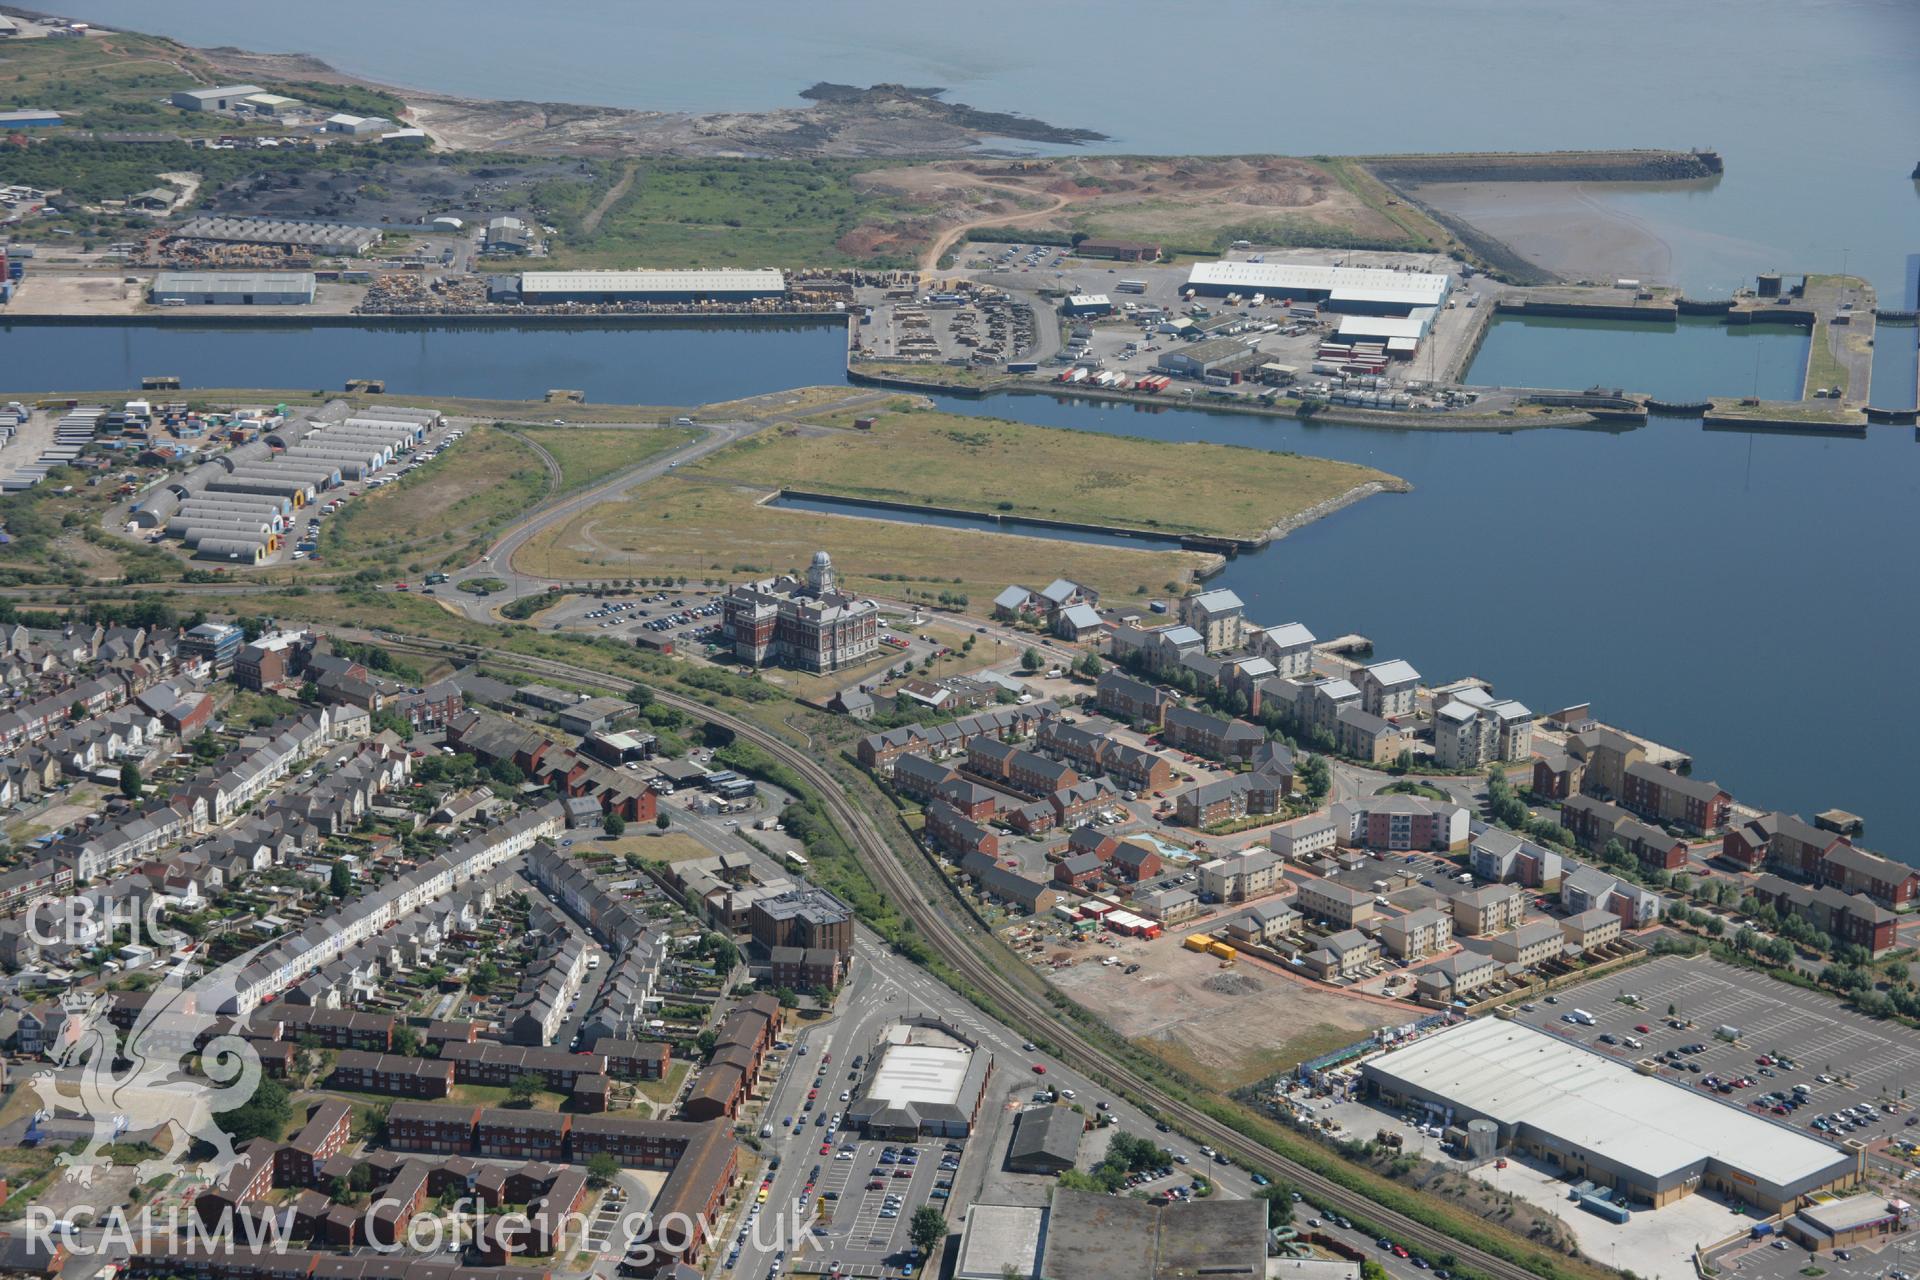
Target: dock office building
point(1596, 1118)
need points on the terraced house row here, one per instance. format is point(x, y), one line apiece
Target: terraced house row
point(297, 958)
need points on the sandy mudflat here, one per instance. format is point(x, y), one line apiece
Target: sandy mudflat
point(1560, 227)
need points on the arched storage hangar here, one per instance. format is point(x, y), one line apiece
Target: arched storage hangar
point(369, 456)
point(268, 511)
point(296, 491)
point(268, 503)
point(388, 444)
point(230, 533)
point(426, 419)
point(157, 508)
point(289, 433)
point(400, 426)
point(233, 550)
point(198, 478)
point(319, 475)
point(191, 528)
point(253, 452)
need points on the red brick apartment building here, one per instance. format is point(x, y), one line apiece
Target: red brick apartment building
point(423, 1126)
point(488, 1063)
point(635, 1059)
point(360, 1072)
point(324, 1136)
point(1665, 796)
point(521, 1135)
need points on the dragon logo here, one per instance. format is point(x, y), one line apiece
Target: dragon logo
point(165, 1081)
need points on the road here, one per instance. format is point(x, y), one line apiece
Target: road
point(940, 919)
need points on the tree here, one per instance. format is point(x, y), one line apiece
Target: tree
point(131, 783)
point(614, 825)
point(788, 997)
point(264, 1115)
point(1031, 661)
point(524, 1086)
point(602, 1169)
point(927, 1229)
point(662, 821)
point(1279, 1198)
point(720, 949)
point(406, 1041)
point(1315, 777)
point(1091, 666)
point(340, 880)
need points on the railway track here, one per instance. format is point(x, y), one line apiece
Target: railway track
point(1038, 1016)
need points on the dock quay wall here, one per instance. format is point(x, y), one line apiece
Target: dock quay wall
point(1589, 310)
point(1187, 541)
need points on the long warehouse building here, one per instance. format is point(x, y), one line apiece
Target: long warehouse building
point(1594, 1117)
point(233, 288)
point(1373, 291)
point(537, 287)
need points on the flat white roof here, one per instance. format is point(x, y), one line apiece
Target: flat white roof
point(658, 281)
point(999, 1238)
point(920, 1073)
point(1410, 326)
point(223, 91)
point(1360, 284)
point(1517, 1074)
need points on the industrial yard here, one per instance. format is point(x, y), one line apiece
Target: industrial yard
point(1226, 1025)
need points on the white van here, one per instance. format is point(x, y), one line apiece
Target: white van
point(1583, 1017)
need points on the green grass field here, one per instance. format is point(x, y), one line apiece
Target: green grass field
point(986, 464)
point(120, 80)
point(436, 515)
point(587, 455)
point(720, 213)
point(679, 526)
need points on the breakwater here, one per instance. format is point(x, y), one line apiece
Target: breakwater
point(1547, 166)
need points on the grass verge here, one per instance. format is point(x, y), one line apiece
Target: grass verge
point(923, 457)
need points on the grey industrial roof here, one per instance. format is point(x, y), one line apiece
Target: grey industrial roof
point(1516, 1074)
point(1392, 671)
point(1049, 1131)
point(1099, 1237)
point(233, 281)
point(657, 281)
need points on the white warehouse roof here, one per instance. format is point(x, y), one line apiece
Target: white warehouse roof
point(922, 1073)
point(652, 281)
point(221, 91)
point(1360, 284)
point(1411, 327)
point(1516, 1074)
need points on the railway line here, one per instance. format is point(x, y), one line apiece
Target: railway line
point(1035, 1014)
